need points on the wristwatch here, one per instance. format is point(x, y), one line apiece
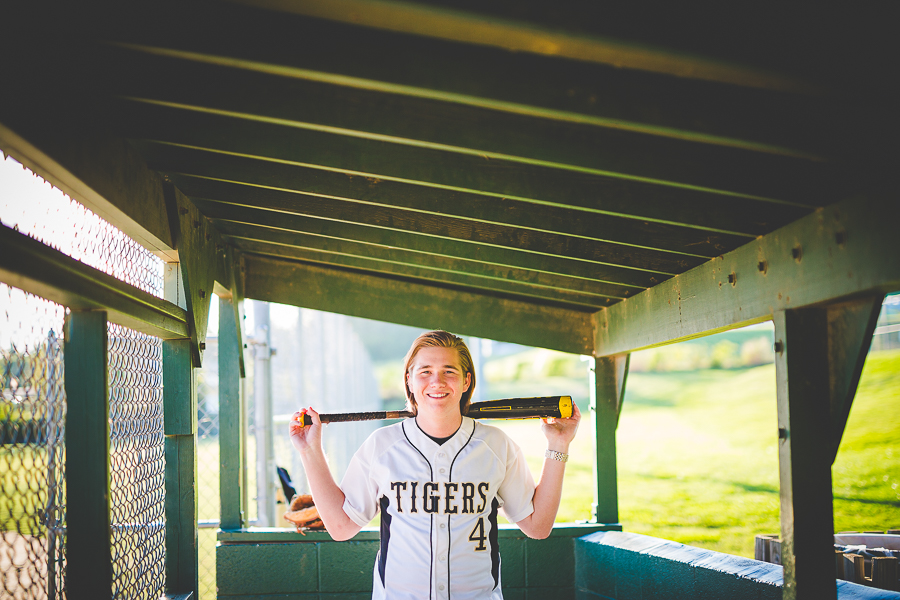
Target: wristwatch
point(556, 455)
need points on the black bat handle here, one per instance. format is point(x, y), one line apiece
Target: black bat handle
point(360, 416)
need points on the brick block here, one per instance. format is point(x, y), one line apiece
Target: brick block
point(346, 566)
point(549, 563)
point(257, 569)
point(595, 568)
point(512, 562)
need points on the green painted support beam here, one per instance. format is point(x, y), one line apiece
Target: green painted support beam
point(231, 414)
point(839, 252)
point(180, 399)
point(437, 167)
point(88, 542)
point(807, 522)
point(180, 428)
point(820, 353)
point(851, 325)
point(37, 268)
point(182, 562)
point(173, 286)
point(237, 300)
point(199, 245)
point(607, 393)
point(227, 286)
point(399, 301)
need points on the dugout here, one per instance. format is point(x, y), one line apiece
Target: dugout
point(594, 178)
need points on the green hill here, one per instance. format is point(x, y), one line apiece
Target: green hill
point(698, 456)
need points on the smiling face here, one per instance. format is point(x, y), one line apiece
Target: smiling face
point(436, 379)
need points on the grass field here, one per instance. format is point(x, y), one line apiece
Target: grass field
point(23, 488)
point(698, 456)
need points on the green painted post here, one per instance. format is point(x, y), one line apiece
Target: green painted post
point(804, 428)
point(607, 390)
point(88, 547)
point(230, 415)
point(180, 408)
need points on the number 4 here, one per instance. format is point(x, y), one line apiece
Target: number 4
point(478, 535)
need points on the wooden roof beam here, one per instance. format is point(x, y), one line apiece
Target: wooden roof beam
point(190, 166)
point(429, 244)
point(842, 251)
point(230, 201)
point(264, 240)
point(456, 22)
point(69, 146)
point(428, 306)
point(548, 86)
point(36, 268)
point(510, 288)
point(100, 171)
point(381, 160)
point(146, 76)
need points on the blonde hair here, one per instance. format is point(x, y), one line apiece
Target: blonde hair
point(440, 339)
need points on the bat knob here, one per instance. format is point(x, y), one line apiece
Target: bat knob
point(565, 406)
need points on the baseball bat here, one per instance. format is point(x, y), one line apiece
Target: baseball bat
point(509, 408)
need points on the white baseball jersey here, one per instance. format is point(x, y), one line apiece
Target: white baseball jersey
point(438, 508)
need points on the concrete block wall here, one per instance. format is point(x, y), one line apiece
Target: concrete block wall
point(627, 566)
point(278, 564)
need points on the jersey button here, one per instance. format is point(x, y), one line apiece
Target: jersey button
point(441, 587)
point(443, 470)
point(441, 455)
point(443, 526)
point(443, 558)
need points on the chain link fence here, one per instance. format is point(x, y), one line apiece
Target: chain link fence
point(321, 362)
point(137, 467)
point(32, 451)
point(208, 462)
point(33, 408)
point(33, 207)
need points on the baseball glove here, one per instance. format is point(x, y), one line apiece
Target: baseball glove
point(303, 514)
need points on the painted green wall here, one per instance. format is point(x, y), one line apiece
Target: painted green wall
point(280, 564)
point(627, 566)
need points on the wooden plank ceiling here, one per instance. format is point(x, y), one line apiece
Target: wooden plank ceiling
point(567, 155)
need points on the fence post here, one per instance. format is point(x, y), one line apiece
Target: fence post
point(56, 404)
point(819, 356)
point(180, 409)
point(884, 572)
point(88, 544)
point(262, 399)
point(607, 391)
point(231, 443)
point(805, 470)
point(180, 428)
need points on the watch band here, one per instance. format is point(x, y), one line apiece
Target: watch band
point(556, 455)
